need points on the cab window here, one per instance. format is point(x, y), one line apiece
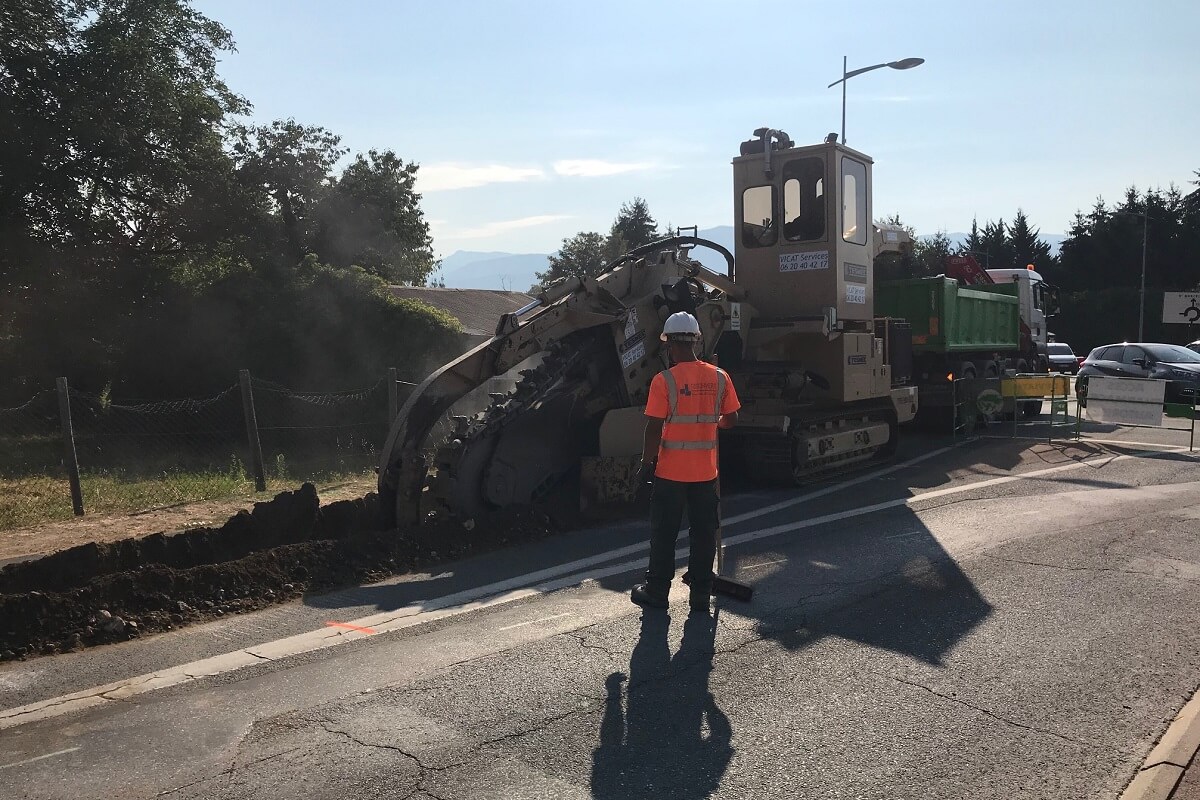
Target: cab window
point(804, 199)
point(758, 217)
point(854, 201)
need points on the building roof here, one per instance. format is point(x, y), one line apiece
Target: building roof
point(477, 310)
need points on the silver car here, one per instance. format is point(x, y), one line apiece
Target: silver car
point(1062, 358)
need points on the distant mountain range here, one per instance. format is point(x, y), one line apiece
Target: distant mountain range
point(470, 269)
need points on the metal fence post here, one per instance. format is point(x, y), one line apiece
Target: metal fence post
point(68, 432)
point(256, 456)
point(393, 388)
point(1192, 437)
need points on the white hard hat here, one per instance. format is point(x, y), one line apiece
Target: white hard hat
point(682, 325)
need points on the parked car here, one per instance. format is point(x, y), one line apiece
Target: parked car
point(1194, 346)
point(1062, 358)
point(1177, 365)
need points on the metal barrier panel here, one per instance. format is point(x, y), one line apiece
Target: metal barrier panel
point(1134, 402)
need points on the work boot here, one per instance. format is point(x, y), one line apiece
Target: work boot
point(645, 597)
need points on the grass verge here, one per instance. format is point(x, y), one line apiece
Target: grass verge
point(36, 499)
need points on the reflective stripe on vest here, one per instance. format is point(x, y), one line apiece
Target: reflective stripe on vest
point(693, 419)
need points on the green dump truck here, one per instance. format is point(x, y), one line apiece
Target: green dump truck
point(959, 332)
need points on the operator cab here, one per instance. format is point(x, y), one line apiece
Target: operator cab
point(804, 230)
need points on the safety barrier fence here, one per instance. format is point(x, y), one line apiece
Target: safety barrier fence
point(1128, 402)
point(1020, 397)
point(65, 452)
point(1136, 403)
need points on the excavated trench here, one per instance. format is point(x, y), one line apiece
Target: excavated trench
point(101, 593)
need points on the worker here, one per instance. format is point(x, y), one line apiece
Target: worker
point(687, 403)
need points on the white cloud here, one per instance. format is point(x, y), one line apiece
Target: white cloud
point(451, 175)
point(504, 226)
point(596, 168)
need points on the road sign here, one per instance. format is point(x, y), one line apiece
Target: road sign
point(1183, 307)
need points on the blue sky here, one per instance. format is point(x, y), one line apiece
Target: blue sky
point(535, 120)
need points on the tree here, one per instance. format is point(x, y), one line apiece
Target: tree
point(1028, 248)
point(930, 252)
point(114, 170)
point(974, 242)
point(633, 227)
point(112, 113)
point(291, 163)
point(580, 255)
point(136, 222)
point(371, 217)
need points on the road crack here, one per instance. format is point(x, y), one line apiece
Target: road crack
point(1069, 568)
point(425, 769)
point(577, 636)
point(985, 711)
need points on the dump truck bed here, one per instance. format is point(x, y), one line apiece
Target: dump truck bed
point(949, 318)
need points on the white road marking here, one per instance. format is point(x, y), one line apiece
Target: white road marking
point(1138, 444)
point(757, 564)
point(39, 758)
point(837, 487)
point(535, 621)
point(492, 595)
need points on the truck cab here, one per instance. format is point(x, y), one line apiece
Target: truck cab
point(1037, 299)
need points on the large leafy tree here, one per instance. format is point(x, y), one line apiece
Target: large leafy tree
point(290, 163)
point(113, 169)
point(128, 198)
point(371, 218)
point(579, 256)
point(113, 115)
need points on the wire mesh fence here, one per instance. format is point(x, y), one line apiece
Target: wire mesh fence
point(136, 455)
point(33, 480)
point(310, 436)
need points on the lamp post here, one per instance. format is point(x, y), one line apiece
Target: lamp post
point(1145, 215)
point(904, 63)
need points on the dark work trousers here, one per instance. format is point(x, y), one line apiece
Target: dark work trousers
point(667, 502)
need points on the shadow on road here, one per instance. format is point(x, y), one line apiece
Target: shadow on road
point(669, 739)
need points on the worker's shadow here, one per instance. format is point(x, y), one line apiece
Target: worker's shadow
point(668, 739)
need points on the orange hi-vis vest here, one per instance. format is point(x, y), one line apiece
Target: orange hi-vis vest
point(696, 395)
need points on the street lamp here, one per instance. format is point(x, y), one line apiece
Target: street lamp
point(1142, 293)
point(904, 63)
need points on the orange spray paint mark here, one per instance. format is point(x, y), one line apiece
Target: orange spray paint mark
point(332, 624)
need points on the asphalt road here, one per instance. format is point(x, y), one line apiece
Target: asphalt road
point(1000, 619)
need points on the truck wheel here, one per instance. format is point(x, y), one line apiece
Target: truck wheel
point(1031, 408)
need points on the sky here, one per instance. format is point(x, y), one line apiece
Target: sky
point(532, 121)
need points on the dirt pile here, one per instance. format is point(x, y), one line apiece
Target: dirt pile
point(99, 593)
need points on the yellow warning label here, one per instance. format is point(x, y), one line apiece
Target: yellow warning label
point(1035, 386)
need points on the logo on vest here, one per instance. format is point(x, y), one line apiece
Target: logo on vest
point(704, 389)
